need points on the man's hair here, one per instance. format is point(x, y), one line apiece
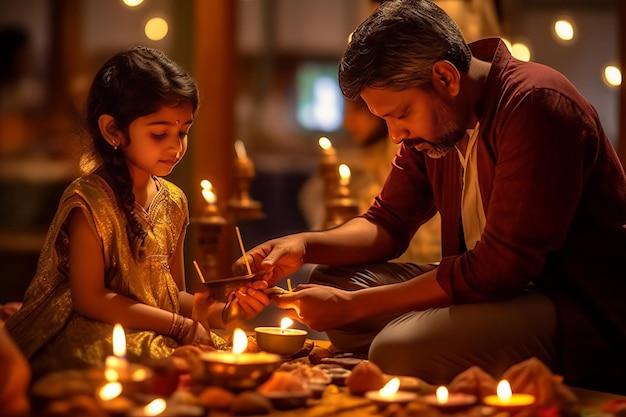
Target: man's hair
point(397, 45)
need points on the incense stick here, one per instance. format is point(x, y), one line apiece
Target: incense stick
point(289, 285)
point(243, 251)
point(199, 272)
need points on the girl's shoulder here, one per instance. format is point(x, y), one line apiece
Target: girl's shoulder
point(91, 185)
point(91, 192)
point(174, 192)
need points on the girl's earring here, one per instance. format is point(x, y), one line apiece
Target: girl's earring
point(115, 147)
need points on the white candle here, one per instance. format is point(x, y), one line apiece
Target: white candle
point(207, 192)
point(240, 150)
point(326, 145)
point(344, 175)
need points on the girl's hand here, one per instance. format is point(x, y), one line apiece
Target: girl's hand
point(252, 299)
point(203, 305)
point(197, 335)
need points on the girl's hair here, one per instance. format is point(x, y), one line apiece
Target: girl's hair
point(131, 84)
point(397, 45)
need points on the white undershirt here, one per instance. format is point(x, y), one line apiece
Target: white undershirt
point(472, 212)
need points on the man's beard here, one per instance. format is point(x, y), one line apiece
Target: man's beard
point(444, 143)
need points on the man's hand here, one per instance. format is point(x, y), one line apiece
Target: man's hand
point(274, 259)
point(317, 306)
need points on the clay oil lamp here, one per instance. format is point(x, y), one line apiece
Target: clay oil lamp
point(506, 400)
point(449, 402)
point(239, 370)
point(390, 394)
point(281, 340)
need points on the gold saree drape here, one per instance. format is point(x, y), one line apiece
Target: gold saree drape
point(48, 330)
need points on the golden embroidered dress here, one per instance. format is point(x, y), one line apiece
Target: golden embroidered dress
point(54, 336)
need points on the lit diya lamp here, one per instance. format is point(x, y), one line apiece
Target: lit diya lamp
point(237, 369)
point(111, 399)
point(449, 402)
point(133, 377)
point(281, 340)
point(155, 407)
point(506, 400)
point(390, 394)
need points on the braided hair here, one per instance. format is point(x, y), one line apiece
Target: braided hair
point(131, 84)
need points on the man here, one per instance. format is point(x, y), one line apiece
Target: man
point(532, 200)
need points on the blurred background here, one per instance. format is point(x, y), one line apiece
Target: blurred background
point(267, 74)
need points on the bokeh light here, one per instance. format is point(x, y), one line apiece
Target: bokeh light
point(156, 28)
point(132, 3)
point(612, 76)
point(564, 29)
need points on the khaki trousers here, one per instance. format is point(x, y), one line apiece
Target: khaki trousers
point(439, 343)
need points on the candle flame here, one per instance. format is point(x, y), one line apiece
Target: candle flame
point(206, 185)
point(285, 323)
point(119, 341)
point(110, 390)
point(240, 150)
point(209, 196)
point(344, 174)
point(442, 395)
point(390, 388)
point(140, 374)
point(155, 407)
point(207, 192)
point(111, 374)
point(240, 341)
point(325, 143)
point(504, 390)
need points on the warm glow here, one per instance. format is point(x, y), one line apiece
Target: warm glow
point(156, 29)
point(390, 388)
point(564, 29)
point(119, 341)
point(442, 395)
point(207, 192)
point(110, 390)
point(240, 341)
point(206, 184)
point(155, 407)
point(285, 323)
point(325, 143)
point(140, 374)
point(504, 390)
point(520, 51)
point(507, 43)
point(344, 174)
point(132, 3)
point(240, 150)
point(111, 374)
point(612, 76)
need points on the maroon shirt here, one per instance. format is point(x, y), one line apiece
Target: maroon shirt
point(554, 195)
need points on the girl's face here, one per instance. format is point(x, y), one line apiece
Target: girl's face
point(158, 141)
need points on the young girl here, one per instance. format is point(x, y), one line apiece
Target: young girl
point(114, 251)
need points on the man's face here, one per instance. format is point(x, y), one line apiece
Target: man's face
point(419, 117)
